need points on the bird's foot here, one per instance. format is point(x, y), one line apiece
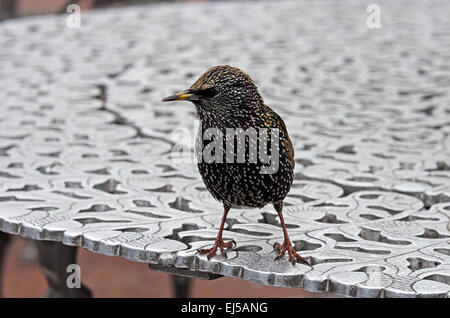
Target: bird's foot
point(219, 243)
point(293, 255)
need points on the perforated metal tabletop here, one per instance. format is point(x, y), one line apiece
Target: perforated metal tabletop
point(86, 144)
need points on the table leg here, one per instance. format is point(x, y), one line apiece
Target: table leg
point(4, 238)
point(181, 278)
point(7, 9)
point(55, 259)
point(181, 286)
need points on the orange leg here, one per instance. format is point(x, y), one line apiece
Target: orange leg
point(219, 243)
point(287, 245)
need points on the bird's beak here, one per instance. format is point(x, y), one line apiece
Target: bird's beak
point(184, 95)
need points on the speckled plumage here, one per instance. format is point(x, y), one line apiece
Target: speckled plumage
point(226, 97)
point(238, 104)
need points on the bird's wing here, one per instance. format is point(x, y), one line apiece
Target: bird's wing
point(273, 120)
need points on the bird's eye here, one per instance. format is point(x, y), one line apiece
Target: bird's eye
point(207, 92)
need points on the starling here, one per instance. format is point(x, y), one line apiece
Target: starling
point(226, 98)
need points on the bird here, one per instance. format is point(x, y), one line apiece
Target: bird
point(225, 98)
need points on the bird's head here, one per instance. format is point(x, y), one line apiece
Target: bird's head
point(222, 90)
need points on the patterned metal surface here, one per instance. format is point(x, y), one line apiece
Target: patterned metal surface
point(85, 143)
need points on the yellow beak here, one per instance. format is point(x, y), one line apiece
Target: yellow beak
point(184, 95)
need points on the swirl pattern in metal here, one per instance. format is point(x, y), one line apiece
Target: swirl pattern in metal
point(85, 143)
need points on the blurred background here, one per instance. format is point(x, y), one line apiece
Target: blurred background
point(19, 8)
point(107, 276)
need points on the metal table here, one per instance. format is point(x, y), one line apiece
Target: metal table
point(86, 145)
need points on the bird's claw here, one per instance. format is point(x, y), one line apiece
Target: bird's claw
point(210, 252)
point(293, 255)
point(209, 256)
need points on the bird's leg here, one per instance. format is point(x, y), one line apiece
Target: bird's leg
point(287, 245)
point(219, 243)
